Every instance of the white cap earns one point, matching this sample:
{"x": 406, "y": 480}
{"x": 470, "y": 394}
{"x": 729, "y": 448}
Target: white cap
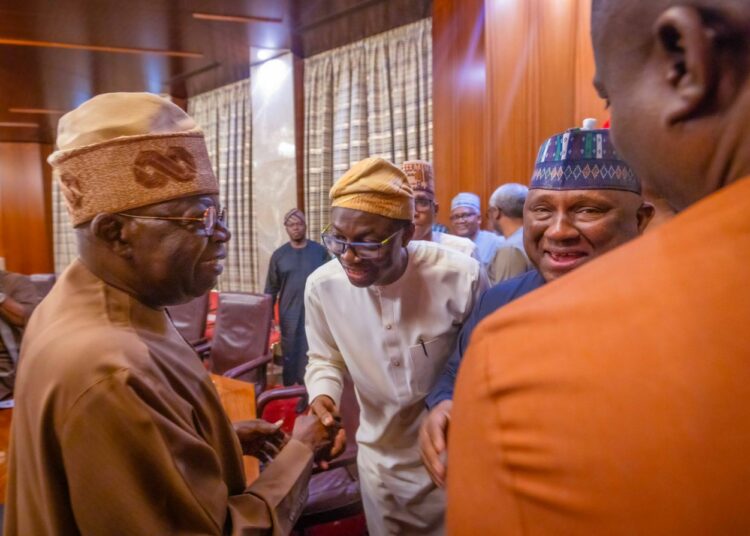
{"x": 589, "y": 123}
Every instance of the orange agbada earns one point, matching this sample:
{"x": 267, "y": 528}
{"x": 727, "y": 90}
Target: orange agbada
{"x": 616, "y": 400}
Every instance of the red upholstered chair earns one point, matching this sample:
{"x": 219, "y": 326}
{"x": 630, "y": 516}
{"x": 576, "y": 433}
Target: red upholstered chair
{"x": 333, "y": 494}
{"x": 239, "y": 348}
{"x": 190, "y": 320}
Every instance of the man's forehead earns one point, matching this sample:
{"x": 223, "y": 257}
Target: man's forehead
{"x": 540, "y": 194}
{"x": 462, "y": 210}
{"x": 184, "y": 203}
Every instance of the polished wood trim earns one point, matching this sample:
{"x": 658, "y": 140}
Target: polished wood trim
{"x": 238, "y": 399}
{"x": 39, "y": 111}
{"x": 190, "y": 74}
{"x": 236, "y": 18}
{"x": 99, "y": 48}
{"x": 18, "y": 124}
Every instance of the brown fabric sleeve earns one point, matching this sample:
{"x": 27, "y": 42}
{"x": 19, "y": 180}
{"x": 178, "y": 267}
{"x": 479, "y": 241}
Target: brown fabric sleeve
{"x": 274, "y": 502}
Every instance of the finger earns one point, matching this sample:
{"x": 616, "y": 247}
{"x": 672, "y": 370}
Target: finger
{"x": 278, "y": 441}
{"x": 436, "y": 432}
{"x": 435, "y": 478}
{"x": 431, "y": 457}
{"x": 339, "y": 443}
{"x": 324, "y": 415}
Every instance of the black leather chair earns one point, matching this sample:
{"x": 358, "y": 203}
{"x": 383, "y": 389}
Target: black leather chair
{"x": 190, "y": 320}
{"x": 239, "y": 348}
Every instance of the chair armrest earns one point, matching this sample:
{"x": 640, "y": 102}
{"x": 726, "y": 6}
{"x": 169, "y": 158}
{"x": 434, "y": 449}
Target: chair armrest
{"x": 247, "y": 367}
{"x": 346, "y": 459}
{"x": 282, "y": 393}
{"x": 202, "y": 347}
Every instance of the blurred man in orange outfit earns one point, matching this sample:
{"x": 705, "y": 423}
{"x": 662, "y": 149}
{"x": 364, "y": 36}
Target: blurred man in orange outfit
{"x": 615, "y": 400}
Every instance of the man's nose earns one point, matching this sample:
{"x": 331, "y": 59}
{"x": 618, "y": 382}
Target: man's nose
{"x": 561, "y": 229}
{"x": 221, "y": 232}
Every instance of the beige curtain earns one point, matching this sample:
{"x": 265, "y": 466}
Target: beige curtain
{"x": 225, "y": 116}
{"x": 63, "y": 235}
{"x": 371, "y": 98}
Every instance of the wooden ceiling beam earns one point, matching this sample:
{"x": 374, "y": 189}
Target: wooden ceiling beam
{"x": 39, "y": 111}
{"x": 98, "y": 48}
{"x": 244, "y": 19}
{"x": 16, "y": 124}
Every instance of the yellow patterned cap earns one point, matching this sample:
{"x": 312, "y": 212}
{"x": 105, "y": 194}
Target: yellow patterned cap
{"x": 376, "y": 186}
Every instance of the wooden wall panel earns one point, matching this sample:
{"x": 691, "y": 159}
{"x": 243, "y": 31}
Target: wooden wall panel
{"x": 539, "y": 72}
{"x": 494, "y": 103}
{"x": 25, "y": 216}
{"x": 588, "y": 103}
{"x": 458, "y": 97}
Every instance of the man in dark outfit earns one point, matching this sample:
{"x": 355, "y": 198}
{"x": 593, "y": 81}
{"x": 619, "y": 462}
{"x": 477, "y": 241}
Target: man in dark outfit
{"x": 18, "y": 297}
{"x": 287, "y": 273}
{"x": 570, "y": 218}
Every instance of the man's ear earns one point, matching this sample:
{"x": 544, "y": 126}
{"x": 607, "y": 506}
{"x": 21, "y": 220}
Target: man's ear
{"x": 408, "y": 234}
{"x": 644, "y": 215}
{"x": 436, "y": 205}
{"x": 689, "y": 53}
{"x": 111, "y": 229}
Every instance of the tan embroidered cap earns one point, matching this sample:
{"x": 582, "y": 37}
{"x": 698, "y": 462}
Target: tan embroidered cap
{"x": 119, "y": 151}
{"x": 376, "y": 186}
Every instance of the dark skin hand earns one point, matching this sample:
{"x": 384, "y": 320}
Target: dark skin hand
{"x": 433, "y": 436}
{"x": 309, "y": 430}
{"x": 13, "y": 312}
{"x": 324, "y": 408}
{"x": 260, "y": 438}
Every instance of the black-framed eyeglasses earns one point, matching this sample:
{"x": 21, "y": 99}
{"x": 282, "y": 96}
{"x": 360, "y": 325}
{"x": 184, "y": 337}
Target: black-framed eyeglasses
{"x": 363, "y": 250}
{"x": 463, "y": 216}
{"x": 211, "y": 216}
{"x": 423, "y": 204}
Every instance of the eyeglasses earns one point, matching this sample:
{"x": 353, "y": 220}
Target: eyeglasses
{"x": 423, "y": 204}
{"x": 463, "y": 216}
{"x": 363, "y": 250}
{"x": 209, "y": 220}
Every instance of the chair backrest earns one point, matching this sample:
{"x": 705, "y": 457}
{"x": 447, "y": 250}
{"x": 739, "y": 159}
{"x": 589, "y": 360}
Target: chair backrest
{"x": 43, "y": 283}
{"x": 243, "y": 326}
{"x": 190, "y": 318}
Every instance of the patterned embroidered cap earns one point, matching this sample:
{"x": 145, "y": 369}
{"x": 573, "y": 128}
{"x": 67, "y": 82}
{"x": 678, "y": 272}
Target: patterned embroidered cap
{"x": 119, "y": 151}
{"x": 582, "y": 159}
{"x": 419, "y": 174}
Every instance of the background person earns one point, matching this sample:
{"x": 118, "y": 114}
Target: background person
{"x": 288, "y": 269}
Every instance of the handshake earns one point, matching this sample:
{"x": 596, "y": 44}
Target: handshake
{"x": 320, "y": 431}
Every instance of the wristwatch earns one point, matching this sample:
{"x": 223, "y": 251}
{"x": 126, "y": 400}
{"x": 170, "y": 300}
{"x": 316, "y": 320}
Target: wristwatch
{"x": 2, "y": 297}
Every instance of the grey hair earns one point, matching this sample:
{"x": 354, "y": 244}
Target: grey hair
{"x": 510, "y": 198}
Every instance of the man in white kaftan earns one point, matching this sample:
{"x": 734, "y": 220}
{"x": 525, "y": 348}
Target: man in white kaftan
{"x": 387, "y": 311}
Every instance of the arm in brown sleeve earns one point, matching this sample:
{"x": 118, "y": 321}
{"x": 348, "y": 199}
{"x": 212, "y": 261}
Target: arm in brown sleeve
{"x": 274, "y": 502}
{"x": 132, "y": 462}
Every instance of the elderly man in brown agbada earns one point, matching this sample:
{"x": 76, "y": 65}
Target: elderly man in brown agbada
{"x": 118, "y": 428}
{"x": 615, "y": 400}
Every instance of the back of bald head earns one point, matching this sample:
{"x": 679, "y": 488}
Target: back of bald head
{"x": 634, "y": 19}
